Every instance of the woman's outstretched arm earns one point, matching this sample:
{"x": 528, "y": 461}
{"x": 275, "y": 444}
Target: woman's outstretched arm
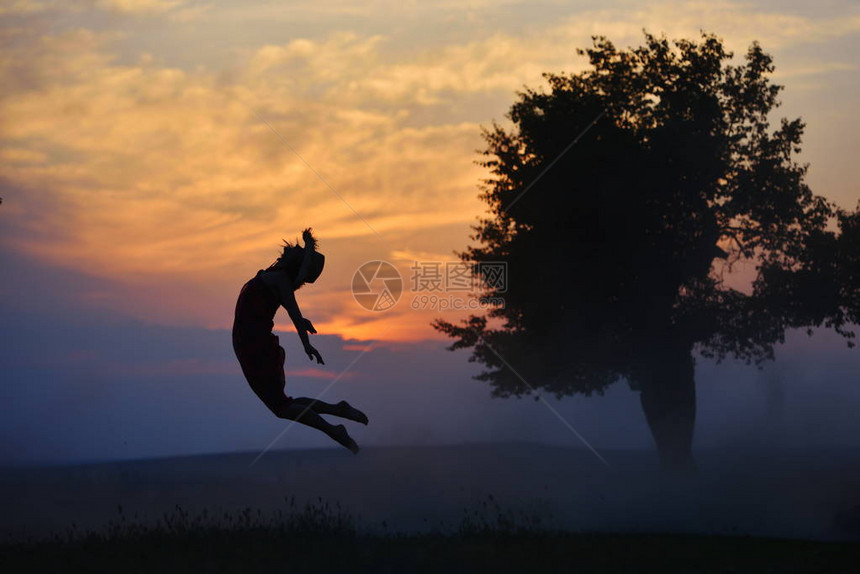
{"x": 303, "y": 326}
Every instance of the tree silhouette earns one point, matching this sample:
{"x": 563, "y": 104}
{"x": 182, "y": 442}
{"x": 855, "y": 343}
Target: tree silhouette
{"x": 618, "y": 249}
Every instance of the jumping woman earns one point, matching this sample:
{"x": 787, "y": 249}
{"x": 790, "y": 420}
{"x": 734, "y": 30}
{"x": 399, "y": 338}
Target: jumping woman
{"x": 258, "y": 349}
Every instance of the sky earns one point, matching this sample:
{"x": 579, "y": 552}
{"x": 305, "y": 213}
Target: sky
{"x": 155, "y": 153}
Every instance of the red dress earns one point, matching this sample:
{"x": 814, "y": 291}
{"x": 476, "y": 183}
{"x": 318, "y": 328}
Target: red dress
{"x": 256, "y": 347}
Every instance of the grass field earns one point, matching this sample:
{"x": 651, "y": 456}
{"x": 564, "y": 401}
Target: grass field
{"x": 322, "y": 538}
{"x": 469, "y": 508}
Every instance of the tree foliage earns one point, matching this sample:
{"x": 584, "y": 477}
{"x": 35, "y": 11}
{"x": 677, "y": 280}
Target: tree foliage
{"x": 620, "y": 249}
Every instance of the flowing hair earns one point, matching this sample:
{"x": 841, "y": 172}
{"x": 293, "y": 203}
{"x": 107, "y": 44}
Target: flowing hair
{"x": 292, "y": 254}
{"x": 289, "y": 260}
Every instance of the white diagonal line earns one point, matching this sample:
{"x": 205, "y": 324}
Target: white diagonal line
{"x": 316, "y": 173}
{"x": 553, "y": 162}
{"x": 549, "y": 406}
{"x": 333, "y": 381}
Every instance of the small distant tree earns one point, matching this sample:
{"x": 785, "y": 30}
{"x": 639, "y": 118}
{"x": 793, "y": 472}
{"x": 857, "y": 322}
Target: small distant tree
{"x": 617, "y": 253}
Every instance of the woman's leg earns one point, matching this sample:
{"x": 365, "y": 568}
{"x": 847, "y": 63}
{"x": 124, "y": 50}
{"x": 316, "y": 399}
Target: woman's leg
{"x": 303, "y": 414}
{"x": 342, "y": 409}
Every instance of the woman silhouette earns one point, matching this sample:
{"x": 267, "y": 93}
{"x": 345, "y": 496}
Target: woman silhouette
{"x": 258, "y": 349}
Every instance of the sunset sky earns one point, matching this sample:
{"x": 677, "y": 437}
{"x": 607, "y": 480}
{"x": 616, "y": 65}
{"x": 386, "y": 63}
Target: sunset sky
{"x": 148, "y": 167}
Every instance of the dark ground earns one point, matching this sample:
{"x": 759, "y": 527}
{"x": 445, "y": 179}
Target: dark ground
{"x": 502, "y": 507}
{"x": 260, "y": 550}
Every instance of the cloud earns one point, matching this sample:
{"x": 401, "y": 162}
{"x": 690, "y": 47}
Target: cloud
{"x": 504, "y": 62}
{"x": 128, "y": 7}
{"x": 139, "y": 6}
{"x": 177, "y": 183}
{"x": 22, "y": 7}
{"x": 162, "y": 178}
{"x": 738, "y": 23}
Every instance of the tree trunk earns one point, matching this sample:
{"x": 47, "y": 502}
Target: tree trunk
{"x": 669, "y": 401}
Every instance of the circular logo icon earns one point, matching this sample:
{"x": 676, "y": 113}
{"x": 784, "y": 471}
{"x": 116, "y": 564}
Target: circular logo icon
{"x": 377, "y": 285}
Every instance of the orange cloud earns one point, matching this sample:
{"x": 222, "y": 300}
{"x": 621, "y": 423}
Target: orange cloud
{"x": 168, "y": 182}
{"x": 171, "y": 184}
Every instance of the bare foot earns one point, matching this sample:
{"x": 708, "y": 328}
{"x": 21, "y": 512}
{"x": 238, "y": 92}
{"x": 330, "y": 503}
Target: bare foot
{"x": 351, "y": 413}
{"x": 341, "y": 436}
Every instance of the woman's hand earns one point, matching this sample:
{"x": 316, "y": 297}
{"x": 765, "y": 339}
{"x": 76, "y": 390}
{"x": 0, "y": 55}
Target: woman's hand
{"x": 308, "y": 237}
{"x": 309, "y": 327}
{"x": 313, "y": 353}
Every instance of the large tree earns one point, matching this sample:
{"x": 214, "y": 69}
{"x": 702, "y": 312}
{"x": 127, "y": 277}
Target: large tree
{"x": 619, "y": 248}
